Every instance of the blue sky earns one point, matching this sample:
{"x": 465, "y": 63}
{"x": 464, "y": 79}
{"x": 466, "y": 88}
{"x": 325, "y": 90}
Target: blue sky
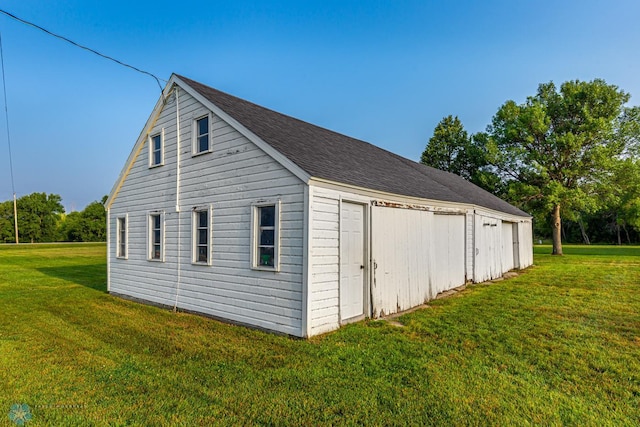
{"x": 383, "y": 71}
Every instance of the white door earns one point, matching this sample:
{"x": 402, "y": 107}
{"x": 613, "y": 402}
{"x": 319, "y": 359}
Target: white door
{"x": 507, "y": 246}
{"x": 351, "y": 261}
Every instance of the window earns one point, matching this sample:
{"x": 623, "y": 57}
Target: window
{"x": 201, "y": 132}
{"x": 156, "y": 236}
{"x": 266, "y": 225}
{"x": 201, "y": 236}
{"x": 121, "y": 238}
{"x": 156, "y": 150}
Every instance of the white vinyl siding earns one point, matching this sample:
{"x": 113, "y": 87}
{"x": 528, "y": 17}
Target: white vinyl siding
{"x": 324, "y": 270}
{"x": 234, "y": 176}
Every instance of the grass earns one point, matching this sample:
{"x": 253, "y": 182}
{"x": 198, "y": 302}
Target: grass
{"x": 559, "y": 344}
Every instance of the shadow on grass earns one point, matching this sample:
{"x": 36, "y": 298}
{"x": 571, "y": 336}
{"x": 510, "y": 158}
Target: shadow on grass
{"x": 92, "y": 276}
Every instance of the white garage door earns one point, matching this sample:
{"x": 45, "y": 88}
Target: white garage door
{"x": 449, "y": 239}
{"x": 507, "y": 247}
{"x": 416, "y": 255}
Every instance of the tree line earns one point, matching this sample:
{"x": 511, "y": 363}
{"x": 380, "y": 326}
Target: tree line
{"x": 42, "y": 218}
{"x": 568, "y": 155}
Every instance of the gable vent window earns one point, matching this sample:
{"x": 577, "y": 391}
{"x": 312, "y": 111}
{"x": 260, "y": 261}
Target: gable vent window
{"x": 265, "y": 237}
{"x": 202, "y": 140}
{"x": 156, "y": 150}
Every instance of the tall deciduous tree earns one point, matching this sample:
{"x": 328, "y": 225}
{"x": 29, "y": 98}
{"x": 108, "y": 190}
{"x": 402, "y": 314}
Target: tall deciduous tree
{"x": 7, "y": 231}
{"x": 560, "y": 144}
{"x": 38, "y": 216}
{"x": 452, "y": 149}
{"x": 446, "y": 147}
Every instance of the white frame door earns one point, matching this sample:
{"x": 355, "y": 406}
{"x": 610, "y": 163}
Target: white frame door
{"x": 352, "y": 261}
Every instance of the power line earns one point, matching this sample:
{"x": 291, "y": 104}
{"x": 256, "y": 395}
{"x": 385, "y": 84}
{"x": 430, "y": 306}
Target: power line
{"x": 6, "y": 115}
{"x": 31, "y": 24}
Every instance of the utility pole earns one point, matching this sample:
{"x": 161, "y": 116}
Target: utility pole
{"x": 15, "y": 217}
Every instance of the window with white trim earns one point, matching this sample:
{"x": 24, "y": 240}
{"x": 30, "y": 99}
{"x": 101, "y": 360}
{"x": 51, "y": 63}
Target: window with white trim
{"x": 201, "y": 135}
{"x": 156, "y": 236}
{"x": 156, "y": 149}
{"x": 201, "y": 235}
{"x": 121, "y": 237}
{"x": 266, "y": 236}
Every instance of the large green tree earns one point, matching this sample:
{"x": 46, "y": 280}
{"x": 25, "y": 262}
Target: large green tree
{"x": 556, "y": 148}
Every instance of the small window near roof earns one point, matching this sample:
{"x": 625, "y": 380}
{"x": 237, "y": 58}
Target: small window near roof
{"x": 202, "y": 143}
{"x": 156, "y": 150}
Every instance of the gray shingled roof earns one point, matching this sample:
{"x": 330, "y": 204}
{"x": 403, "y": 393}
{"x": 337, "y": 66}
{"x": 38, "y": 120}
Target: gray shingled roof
{"x": 329, "y": 155}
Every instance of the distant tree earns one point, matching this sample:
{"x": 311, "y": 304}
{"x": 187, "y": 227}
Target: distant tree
{"x": 451, "y": 149}
{"x": 446, "y": 147}
{"x": 560, "y": 145}
{"x": 41, "y": 218}
{"x": 621, "y": 198}
{"x": 94, "y": 218}
{"x": 71, "y": 227}
{"x": 7, "y": 231}
{"x": 89, "y": 225}
{"x": 38, "y": 217}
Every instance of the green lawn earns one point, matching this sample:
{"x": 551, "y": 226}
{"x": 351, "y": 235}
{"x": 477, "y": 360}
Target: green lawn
{"x": 560, "y": 344}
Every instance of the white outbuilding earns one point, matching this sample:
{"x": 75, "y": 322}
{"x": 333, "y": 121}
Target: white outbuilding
{"x": 235, "y": 211}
